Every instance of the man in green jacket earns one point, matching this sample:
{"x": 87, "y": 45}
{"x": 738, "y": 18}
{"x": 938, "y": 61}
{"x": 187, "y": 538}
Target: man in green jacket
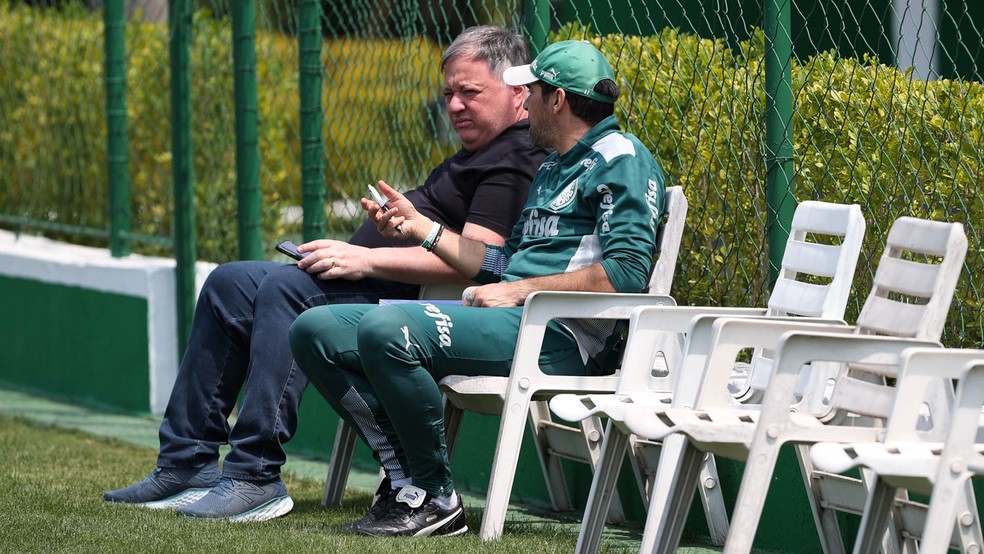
{"x": 589, "y": 225}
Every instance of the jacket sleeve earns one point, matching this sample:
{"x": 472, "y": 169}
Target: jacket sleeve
{"x": 629, "y": 202}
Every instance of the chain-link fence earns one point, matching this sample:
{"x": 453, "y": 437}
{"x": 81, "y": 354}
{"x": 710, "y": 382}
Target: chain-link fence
{"x": 885, "y": 109}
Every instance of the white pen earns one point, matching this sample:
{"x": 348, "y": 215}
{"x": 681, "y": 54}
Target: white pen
{"x": 382, "y": 203}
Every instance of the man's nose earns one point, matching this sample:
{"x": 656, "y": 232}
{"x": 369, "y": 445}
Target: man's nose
{"x": 455, "y": 104}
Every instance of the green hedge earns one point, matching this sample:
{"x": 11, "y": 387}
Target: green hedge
{"x": 53, "y": 131}
{"x": 863, "y": 133}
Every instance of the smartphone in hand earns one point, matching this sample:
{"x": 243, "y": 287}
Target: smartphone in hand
{"x": 290, "y": 249}
{"x": 381, "y": 200}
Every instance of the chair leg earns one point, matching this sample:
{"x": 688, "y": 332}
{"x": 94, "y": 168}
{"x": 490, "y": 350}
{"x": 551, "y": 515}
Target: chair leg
{"x": 968, "y": 521}
{"x": 893, "y": 540}
{"x": 452, "y": 425}
{"x": 340, "y": 464}
{"x": 672, "y": 494}
{"x": 644, "y": 457}
{"x": 876, "y": 517}
{"x": 553, "y": 470}
{"x": 825, "y": 519}
{"x": 949, "y": 505}
{"x": 592, "y": 428}
{"x": 644, "y": 460}
{"x": 603, "y": 489}
{"x": 712, "y": 498}
{"x": 504, "y": 467}
{"x": 754, "y": 487}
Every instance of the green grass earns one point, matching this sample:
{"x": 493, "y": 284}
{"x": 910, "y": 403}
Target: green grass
{"x": 52, "y": 481}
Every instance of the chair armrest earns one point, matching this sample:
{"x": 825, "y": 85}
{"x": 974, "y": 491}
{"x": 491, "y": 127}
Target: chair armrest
{"x": 648, "y": 327}
{"x": 926, "y": 375}
{"x": 797, "y": 349}
{"x": 945, "y": 363}
{"x": 545, "y": 306}
{"x": 648, "y": 324}
{"x": 964, "y": 434}
{"x": 714, "y": 346}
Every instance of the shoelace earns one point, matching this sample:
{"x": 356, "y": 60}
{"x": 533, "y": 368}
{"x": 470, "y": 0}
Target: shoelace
{"x": 241, "y": 489}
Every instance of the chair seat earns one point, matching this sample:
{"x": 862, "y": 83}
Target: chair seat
{"x": 577, "y": 407}
{"x": 485, "y": 395}
{"x": 910, "y": 465}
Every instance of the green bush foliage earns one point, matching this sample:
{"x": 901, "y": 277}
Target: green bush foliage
{"x": 51, "y": 112}
{"x": 862, "y": 133}
{"x": 53, "y": 130}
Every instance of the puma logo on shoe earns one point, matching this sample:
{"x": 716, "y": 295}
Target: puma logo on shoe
{"x": 411, "y": 496}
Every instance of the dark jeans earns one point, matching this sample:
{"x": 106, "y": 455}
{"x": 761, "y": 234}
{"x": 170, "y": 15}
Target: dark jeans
{"x": 239, "y": 343}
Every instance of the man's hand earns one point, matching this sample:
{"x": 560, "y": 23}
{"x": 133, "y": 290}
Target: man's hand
{"x": 334, "y": 259}
{"x": 399, "y": 213}
{"x": 497, "y": 295}
{"x": 514, "y": 293}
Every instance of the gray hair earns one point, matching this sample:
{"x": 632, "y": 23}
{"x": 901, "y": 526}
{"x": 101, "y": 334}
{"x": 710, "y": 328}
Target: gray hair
{"x": 499, "y": 48}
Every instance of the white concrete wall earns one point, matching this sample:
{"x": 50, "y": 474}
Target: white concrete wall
{"x": 44, "y": 260}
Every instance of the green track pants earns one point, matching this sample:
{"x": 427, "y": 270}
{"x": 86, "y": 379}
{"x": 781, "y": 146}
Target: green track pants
{"x": 378, "y": 367}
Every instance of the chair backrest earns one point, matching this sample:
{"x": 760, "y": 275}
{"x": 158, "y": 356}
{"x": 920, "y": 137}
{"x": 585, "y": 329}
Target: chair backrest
{"x": 669, "y": 233}
{"x": 910, "y": 297}
{"x": 917, "y": 274}
{"x": 814, "y": 279}
{"x": 819, "y": 261}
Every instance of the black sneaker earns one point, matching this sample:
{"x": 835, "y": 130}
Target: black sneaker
{"x": 415, "y": 514}
{"x": 382, "y": 502}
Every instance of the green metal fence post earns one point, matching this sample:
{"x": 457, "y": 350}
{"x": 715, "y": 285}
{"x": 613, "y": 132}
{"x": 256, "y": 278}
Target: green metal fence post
{"x": 247, "y": 144}
{"x": 536, "y": 20}
{"x": 778, "y": 131}
{"x": 312, "y": 117}
{"x": 179, "y": 19}
{"x": 117, "y": 147}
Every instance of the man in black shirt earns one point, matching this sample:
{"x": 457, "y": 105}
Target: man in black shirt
{"x": 239, "y": 338}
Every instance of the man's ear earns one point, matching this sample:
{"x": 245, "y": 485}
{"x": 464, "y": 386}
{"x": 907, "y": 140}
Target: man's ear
{"x": 559, "y": 97}
{"x": 520, "y": 93}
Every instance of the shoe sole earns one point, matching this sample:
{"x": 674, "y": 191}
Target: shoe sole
{"x": 278, "y": 507}
{"x": 436, "y": 530}
{"x": 454, "y": 533}
{"x": 183, "y": 498}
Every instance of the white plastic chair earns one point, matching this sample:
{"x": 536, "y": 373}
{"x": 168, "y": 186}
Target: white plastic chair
{"x": 932, "y": 446}
{"x": 815, "y": 280}
{"x": 524, "y": 393}
{"x": 908, "y": 303}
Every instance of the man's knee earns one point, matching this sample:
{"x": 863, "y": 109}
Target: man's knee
{"x": 382, "y": 326}
{"x": 224, "y": 275}
{"x": 287, "y": 282}
{"x": 230, "y": 283}
{"x": 307, "y": 332}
